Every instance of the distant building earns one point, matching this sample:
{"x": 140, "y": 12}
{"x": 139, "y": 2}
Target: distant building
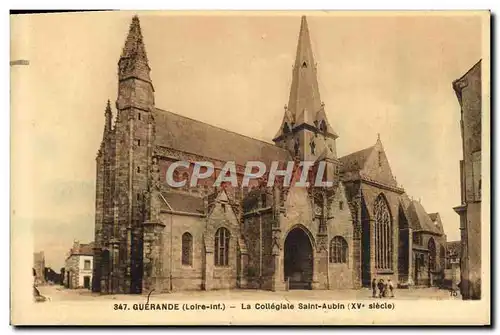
{"x": 424, "y": 243}
{"x": 468, "y": 90}
{"x": 453, "y": 253}
{"x": 452, "y": 271}
{"x": 39, "y": 268}
{"x": 78, "y": 266}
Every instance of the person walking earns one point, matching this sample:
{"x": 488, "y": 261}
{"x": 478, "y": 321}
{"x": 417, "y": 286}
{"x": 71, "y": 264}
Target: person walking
{"x": 391, "y": 287}
{"x": 374, "y": 288}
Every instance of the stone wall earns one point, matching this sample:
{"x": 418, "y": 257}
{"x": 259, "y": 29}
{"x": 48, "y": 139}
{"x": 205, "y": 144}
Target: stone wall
{"x": 341, "y": 275}
{"x": 469, "y": 94}
{"x": 176, "y": 276}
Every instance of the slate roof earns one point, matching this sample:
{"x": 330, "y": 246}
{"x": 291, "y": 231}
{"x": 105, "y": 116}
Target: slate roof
{"x": 84, "y": 249}
{"x": 405, "y": 201}
{"x": 87, "y": 249}
{"x": 196, "y": 137}
{"x": 420, "y": 220}
{"x": 356, "y": 160}
{"x": 184, "y": 202}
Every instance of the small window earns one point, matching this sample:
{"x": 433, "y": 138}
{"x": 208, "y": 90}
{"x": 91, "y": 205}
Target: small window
{"x": 139, "y": 116}
{"x": 138, "y": 169}
{"x": 138, "y": 142}
{"x": 341, "y": 205}
{"x": 322, "y": 126}
{"x": 380, "y": 158}
{"x": 264, "y": 200}
{"x": 138, "y": 196}
{"x": 187, "y": 249}
{"x": 86, "y": 265}
{"x": 223, "y": 207}
{"x": 286, "y": 128}
{"x": 304, "y": 64}
{"x": 338, "y": 250}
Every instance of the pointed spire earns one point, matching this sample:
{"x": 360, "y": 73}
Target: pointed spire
{"x": 108, "y": 115}
{"x": 304, "y": 100}
{"x": 134, "y": 61}
{"x": 305, "y": 105}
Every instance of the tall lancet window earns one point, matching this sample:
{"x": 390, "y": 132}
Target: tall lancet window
{"x": 222, "y": 247}
{"x": 383, "y": 235}
{"x": 187, "y": 249}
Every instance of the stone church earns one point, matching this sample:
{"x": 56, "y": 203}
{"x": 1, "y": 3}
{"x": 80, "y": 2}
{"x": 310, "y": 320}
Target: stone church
{"x": 150, "y": 236}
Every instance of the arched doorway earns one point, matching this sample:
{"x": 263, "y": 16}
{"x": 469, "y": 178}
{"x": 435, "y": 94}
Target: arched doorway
{"x": 298, "y": 260}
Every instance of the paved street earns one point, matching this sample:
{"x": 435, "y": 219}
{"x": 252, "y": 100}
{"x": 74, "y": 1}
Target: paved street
{"x": 59, "y": 293}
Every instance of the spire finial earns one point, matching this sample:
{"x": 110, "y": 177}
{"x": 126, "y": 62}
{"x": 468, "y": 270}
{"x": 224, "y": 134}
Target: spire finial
{"x": 108, "y": 115}
{"x": 378, "y": 136}
{"x": 108, "y": 107}
{"x": 134, "y": 61}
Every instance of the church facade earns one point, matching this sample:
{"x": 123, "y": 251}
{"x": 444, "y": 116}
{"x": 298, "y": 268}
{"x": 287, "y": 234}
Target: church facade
{"x": 149, "y": 235}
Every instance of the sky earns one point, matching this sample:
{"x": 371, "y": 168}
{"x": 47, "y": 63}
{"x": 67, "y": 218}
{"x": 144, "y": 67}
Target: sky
{"x": 385, "y": 74}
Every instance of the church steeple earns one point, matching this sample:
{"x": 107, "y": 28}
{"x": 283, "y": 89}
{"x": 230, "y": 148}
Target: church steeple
{"x": 304, "y": 101}
{"x": 135, "y": 88}
{"x": 134, "y": 61}
{"x": 305, "y": 118}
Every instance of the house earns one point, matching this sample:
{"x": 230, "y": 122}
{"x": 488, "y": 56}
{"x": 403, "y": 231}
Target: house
{"x": 78, "y": 266}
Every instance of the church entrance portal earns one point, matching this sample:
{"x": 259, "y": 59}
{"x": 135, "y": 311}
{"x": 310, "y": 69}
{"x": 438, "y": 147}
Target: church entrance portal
{"x": 298, "y": 260}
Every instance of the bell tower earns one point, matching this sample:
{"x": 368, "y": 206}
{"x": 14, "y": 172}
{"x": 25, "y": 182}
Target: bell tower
{"x": 305, "y": 130}
{"x": 135, "y": 129}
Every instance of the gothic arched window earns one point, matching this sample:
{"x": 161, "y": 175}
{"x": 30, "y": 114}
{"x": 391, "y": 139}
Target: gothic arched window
{"x": 431, "y": 246}
{"x": 187, "y": 249}
{"x": 383, "y": 234}
{"x": 338, "y": 250}
{"x": 221, "y": 251}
